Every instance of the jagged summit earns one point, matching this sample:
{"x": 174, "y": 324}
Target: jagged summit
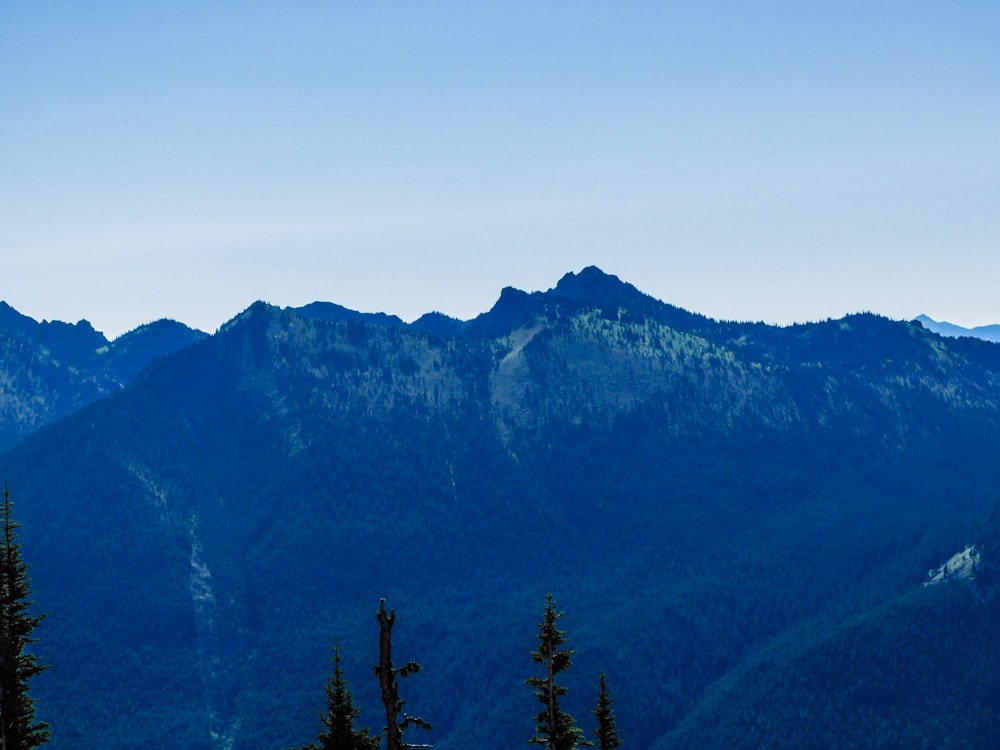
{"x": 513, "y": 309}
{"x": 594, "y": 286}
{"x": 69, "y": 341}
{"x": 591, "y": 288}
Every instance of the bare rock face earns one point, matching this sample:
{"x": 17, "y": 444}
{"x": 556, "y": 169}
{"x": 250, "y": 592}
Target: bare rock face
{"x": 960, "y": 567}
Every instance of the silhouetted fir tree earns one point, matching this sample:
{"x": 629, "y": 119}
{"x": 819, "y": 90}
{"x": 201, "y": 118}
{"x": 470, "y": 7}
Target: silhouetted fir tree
{"x": 387, "y": 675}
{"x": 18, "y": 728}
{"x": 555, "y": 729}
{"x": 341, "y": 713}
{"x": 607, "y": 729}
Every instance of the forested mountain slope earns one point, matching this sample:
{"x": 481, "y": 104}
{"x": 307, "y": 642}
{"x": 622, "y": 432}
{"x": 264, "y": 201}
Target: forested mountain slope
{"x": 921, "y": 670}
{"x": 695, "y": 493}
{"x": 50, "y": 369}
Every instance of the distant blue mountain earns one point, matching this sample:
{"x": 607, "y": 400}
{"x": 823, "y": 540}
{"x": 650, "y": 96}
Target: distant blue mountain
{"x": 943, "y": 328}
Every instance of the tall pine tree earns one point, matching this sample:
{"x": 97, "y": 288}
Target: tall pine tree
{"x": 554, "y": 728}
{"x": 341, "y": 713}
{"x": 607, "y": 729}
{"x": 18, "y": 728}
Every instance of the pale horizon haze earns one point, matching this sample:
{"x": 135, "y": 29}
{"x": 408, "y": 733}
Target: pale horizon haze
{"x": 774, "y": 161}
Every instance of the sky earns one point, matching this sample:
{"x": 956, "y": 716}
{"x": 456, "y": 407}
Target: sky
{"x": 775, "y": 161}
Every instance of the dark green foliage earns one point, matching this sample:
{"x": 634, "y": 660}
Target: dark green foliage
{"x": 18, "y": 728}
{"x": 387, "y": 678}
{"x": 607, "y": 728}
{"x": 555, "y": 729}
{"x": 338, "y": 720}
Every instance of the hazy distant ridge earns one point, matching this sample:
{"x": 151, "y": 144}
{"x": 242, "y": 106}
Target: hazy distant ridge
{"x": 943, "y": 328}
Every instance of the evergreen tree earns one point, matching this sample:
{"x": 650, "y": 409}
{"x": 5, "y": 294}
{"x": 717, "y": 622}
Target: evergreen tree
{"x": 18, "y": 728}
{"x": 387, "y": 675}
{"x": 341, "y": 713}
{"x": 555, "y": 729}
{"x": 607, "y": 729}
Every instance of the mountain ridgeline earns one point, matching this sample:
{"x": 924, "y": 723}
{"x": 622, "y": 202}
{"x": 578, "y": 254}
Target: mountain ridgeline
{"x": 738, "y": 520}
{"x": 51, "y": 369}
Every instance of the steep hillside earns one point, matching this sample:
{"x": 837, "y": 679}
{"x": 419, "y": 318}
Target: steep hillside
{"x": 693, "y": 492}
{"x": 50, "y": 369}
{"x": 921, "y": 670}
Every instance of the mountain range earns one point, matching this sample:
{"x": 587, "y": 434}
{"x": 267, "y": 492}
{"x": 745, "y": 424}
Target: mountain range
{"x": 738, "y": 519}
{"x": 51, "y": 369}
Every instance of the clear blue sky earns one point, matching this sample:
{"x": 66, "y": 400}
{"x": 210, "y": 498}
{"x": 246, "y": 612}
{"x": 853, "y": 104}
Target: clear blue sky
{"x": 777, "y": 161}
